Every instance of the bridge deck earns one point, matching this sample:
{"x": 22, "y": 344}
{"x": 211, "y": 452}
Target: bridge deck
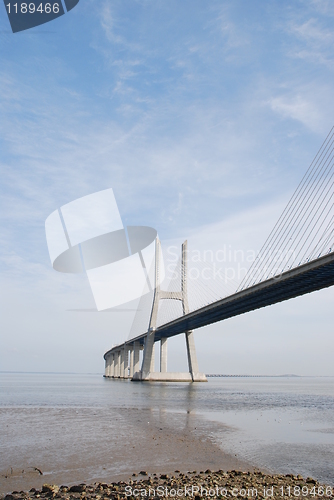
{"x": 306, "y": 278}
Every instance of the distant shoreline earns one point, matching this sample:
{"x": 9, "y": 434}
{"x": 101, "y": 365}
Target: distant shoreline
{"x": 211, "y": 375}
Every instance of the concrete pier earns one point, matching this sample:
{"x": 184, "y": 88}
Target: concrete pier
{"x": 131, "y": 361}
{"x": 136, "y": 356}
{"x": 118, "y": 363}
{"x": 117, "y": 359}
{"x": 163, "y": 355}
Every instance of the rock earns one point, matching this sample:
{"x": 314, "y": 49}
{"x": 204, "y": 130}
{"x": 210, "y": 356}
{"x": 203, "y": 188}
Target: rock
{"x": 50, "y": 488}
{"x": 77, "y": 488}
{"x": 116, "y": 490}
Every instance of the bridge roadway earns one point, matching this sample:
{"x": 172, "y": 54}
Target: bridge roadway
{"x": 306, "y": 278}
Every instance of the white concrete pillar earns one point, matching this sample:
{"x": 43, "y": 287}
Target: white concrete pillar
{"x": 117, "y": 367}
{"x": 112, "y": 365}
{"x": 152, "y": 365}
{"x": 106, "y": 368}
{"x": 121, "y": 370}
{"x": 126, "y": 361}
{"x": 136, "y": 349}
{"x": 115, "y": 363}
{"x": 131, "y": 360}
{"x": 191, "y": 352}
{"x": 163, "y": 355}
{"x": 148, "y": 358}
{"x": 119, "y": 364}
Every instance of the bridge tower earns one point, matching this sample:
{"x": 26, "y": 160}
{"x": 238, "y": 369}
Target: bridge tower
{"x": 147, "y": 371}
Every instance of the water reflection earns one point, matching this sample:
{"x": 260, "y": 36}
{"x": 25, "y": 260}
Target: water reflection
{"x": 285, "y": 424}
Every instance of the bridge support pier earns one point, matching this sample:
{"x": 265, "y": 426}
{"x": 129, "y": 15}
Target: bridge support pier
{"x": 147, "y": 371}
{"x": 148, "y": 357}
{"x": 126, "y": 361}
{"x": 106, "y": 369}
{"x": 136, "y": 351}
{"x": 118, "y": 363}
{"x": 152, "y": 365}
{"x": 131, "y": 361}
{"x": 163, "y": 356}
{"x": 118, "y": 360}
{"x": 124, "y": 370}
{"x": 192, "y": 358}
{"x": 121, "y": 368}
{"x": 111, "y": 366}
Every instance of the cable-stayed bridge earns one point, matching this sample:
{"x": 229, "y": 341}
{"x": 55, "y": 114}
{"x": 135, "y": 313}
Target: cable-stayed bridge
{"x": 297, "y": 258}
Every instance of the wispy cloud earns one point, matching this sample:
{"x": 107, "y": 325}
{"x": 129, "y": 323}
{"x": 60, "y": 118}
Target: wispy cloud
{"x": 314, "y": 42}
{"x": 300, "y": 107}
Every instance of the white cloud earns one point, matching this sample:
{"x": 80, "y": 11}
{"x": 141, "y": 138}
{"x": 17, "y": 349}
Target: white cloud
{"x": 305, "y": 104}
{"x": 297, "y": 108}
{"x": 313, "y": 43}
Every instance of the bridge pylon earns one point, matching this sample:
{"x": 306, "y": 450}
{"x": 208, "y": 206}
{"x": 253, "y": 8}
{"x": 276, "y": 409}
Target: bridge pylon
{"x": 117, "y": 358}
{"x": 147, "y": 372}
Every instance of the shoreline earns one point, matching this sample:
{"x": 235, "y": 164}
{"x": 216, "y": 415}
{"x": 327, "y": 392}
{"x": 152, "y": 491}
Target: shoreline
{"x": 166, "y": 443}
{"x": 192, "y": 484}
{"x": 115, "y": 430}
{"x": 161, "y": 442}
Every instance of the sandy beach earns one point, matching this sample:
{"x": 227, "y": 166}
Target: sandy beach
{"x": 63, "y": 430}
{"x": 164, "y": 459}
{"x": 159, "y": 442}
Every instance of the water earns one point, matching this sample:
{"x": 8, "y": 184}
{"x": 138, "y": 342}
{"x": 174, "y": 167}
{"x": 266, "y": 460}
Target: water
{"x": 284, "y": 424}
{"x": 85, "y": 426}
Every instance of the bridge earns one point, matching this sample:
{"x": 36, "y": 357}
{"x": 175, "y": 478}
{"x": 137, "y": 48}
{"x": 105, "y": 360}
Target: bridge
{"x": 303, "y": 237}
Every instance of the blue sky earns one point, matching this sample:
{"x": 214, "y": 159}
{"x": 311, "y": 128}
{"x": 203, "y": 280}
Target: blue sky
{"x": 202, "y": 116}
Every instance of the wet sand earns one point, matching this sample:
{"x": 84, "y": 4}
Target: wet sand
{"x": 71, "y": 446}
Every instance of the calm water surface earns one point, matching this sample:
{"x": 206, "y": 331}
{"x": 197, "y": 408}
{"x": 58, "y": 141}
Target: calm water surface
{"x": 285, "y": 424}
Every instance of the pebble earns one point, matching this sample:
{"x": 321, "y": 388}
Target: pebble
{"x": 282, "y": 485}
